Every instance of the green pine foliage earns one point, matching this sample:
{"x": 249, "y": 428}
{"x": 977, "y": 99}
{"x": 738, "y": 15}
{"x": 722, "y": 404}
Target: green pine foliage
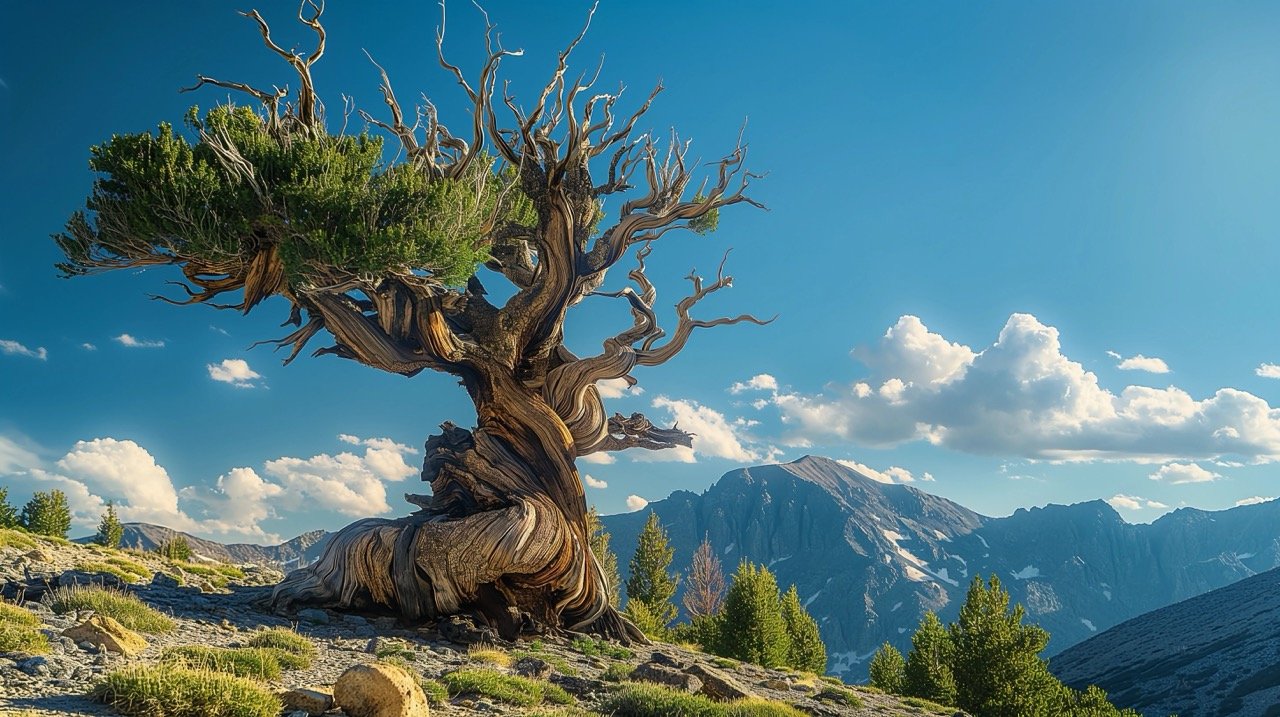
{"x": 928, "y": 669}
{"x": 110, "y": 530}
{"x": 751, "y": 627}
{"x": 888, "y": 670}
{"x": 175, "y": 548}
{"x": 650, "y": 583}
{"x": 997, "y": 667}
{"x": 8, "y": 514}
{"x": 47, "y": 513}
{"x": 327, "y": 202}
{"x": 807, "y": 651}
{"x": 607, "y": 559}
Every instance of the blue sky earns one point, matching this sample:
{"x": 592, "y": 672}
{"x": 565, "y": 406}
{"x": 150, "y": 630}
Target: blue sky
{"x": 986, "y": 224}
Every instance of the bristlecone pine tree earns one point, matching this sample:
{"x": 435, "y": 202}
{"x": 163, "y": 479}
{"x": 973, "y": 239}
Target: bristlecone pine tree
{"x": 887, "y": 670}
{"x": 267, "y": 201}
{"x": 649, "y": 582}
{"x": 110, "y": 529}
{"x": 751, "y": 627}
{"x": 928, "y": 670}
{"x": 806, "y": 651}
{"x": 47, "y": 514}
{"x": 607, "y": 559}
{"x": 8, "y": 513}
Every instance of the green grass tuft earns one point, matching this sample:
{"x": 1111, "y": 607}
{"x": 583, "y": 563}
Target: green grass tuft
{"x": 107, "y": 568}
{"x": 19, "y": 631}
{"x": 840, "y": 695}
{"x": 258, "y": 662}
{"x": 166, "y": 691}
{"x": 725, "y": 663}
{"x": 437, "y": 693}
{"x": 511, "y": 689}
{"x": 10, "y": 538}
{"x": 617, "y": 672}
{"x": 642, "y": 699}
{"x": 122, "y": 606}
{"x": 596, "y": 648}
{"x": 489, "y": 655}
{"x": 286, "y": 641}
{"x": 558, "y": 663}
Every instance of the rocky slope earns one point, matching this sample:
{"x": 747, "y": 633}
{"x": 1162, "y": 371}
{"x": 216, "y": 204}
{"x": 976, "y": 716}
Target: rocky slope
{"x": 869, "y": 558}
{"x": 1214, "y": 655}
{"x": 57, "y": 683}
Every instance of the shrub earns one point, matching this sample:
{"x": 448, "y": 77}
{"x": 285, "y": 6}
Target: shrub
{"x": 176, "y": 548}
{"x": 511, "y": 689}
{"x": 121, "y": 606}
{"x": 751, "y": 626}
{"x": 165, "y": 691}
{"x": 47, "y": 513}
{"x": 259, "y": 662}
{"x": 617, "y": 672}
{"x": 887, "y": 669}
{"x": 437, "y": 694}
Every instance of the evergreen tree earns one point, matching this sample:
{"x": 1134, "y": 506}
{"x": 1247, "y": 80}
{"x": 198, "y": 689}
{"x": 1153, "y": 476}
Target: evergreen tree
{"x": 110, "y": 530}
{"x": 997, "y": 667}
{"x": 47, "y": 514}
{"x": 807, "y": 651}
{"x": 649, "y": 622}
{"x": 751, "y": 627}
{"x": 607, "y": 559}
{"x": 887, "y": 670}
{"x": 704, "y": 585}
{"x": 8, "y": 513}
{"x": 649, "y": 581}
{"x": 175, "y": 548}
{"x": 928, "y": 670}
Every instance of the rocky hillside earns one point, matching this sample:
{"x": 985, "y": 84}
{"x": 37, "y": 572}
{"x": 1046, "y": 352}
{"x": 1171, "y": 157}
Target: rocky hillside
{"x": 297, "y": 552}
{"x": 458, "y": 665}
{"x": 869, "y": 558}
{"x": 1214, "y": 655}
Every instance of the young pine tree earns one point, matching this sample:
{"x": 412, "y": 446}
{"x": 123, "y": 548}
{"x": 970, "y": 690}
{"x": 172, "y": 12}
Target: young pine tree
{"x": 649, "y": 582}
{"x": 997, "y": 667}
{"x": 175, "y": 548}
{"x": 751, "y": 627}
{"x": 704, "y": 593}
{"x": 607, "y": 559}
{"x": 887, "y": 670}
{"x": 8, "y": 513}
{"x": 47, "y": 514}
{"x": 807, "y": 651}
{"x": 110, "y": 530}
{"x": 928, "y": 670}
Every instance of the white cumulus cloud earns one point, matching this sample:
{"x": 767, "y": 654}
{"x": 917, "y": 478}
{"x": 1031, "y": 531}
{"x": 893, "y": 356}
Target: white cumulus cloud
{"x": 1254, "y": 500}
{"x": 88, "y": 346}
{"x": 892, "y": 474}
{"x": 136, "y": 343}
{"x": 713, "y": 435}
{"x": 1184, "y": 473}
{"x": 759, "y": 382}
{"x": 1133, "y": 502}
{"x": 635, "y": 502}
{"x": 1150, "y": 364}
{"x": 601, "y": 458}
{"x": 1021, "y": 396}
{"x": 617, "y": 388}
{"x": 1268, "y": 370}
{"x": 235, "y": 372}
{"x": 594, "y": 482}
{"x": 13, "y": 348}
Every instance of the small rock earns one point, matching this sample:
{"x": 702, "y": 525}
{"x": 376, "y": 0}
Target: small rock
{"x": 308, "y": 700}
{"x": 37, "y": 556}
{"x": 662, "y": 658}
{"x": 534, "y": 668}
{"x": 669, "y": 676}
{"x": 165, "y": 580}
{"x": 460, "y": 630}
{"x": 379, "y": 690}
{"x": 38, "y": 608}
{"x": 108, "y": 634}
{"x": 228, "y": 625}
{"x": 717, "y": 685}
{"x": 311, "y": 614}
{"x": 35, "y": 666}
{"x": 774, "y": 683}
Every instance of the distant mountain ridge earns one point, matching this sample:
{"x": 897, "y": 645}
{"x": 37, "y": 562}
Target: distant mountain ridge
{"x": 290, "y": 554}
{"x": 870, "y": 558}
{"x": 1214, "y": 654}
